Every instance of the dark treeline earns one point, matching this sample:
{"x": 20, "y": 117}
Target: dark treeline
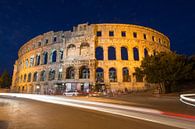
{"x": 5, "y": 80}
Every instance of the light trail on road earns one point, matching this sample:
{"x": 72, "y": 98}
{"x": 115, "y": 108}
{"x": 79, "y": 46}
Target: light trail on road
{"x": 185, "y": 98}
{"x": 146, "y": 114}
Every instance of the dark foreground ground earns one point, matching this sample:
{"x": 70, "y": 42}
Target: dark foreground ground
{"x": 27, "y": 114}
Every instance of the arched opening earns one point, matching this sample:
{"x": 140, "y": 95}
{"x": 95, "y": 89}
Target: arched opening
{"x": 70, "y": 73}
{"x": 23, "y": 89}
{"x": 145, "y": 52}
{"x": 24, "y": 78}
{"x": 71, "y": 50}
{"x": 35, "y": 77}
{"x": 51, "y": 75}
{"x": 26, "y": 63}
{"x": 61, "y": 54}
{"x": 45, "y": 57}
{"x": 135, "y": 53}
{"x": 29, "y": 77}
{"x": 53, "y": 56}
{"x": 84, "y": 72}
{"x": 84, "y": 49}
{"x": 43, "y": 75}
{"x": 32, "y": 61}
{"x": 126, "y": 76}
{"x": 112, "y": 75}
{"x": 99, "y": 53}
{"x": 111, "y": 53}
{"x": 124, "y": 53}
{"x": 99, "y": 75}
{"x": 37, "y": 59}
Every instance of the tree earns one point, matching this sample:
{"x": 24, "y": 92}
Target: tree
{"x": 5, "y": 80}
{"x": 166, "y": 69}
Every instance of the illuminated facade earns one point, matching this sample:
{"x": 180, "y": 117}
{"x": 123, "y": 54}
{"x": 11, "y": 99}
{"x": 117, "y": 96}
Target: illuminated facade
{"x": 89, "y": 56}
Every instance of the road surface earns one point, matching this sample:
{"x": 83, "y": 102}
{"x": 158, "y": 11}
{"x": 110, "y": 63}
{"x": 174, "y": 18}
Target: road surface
{"x": 18, "y": 113}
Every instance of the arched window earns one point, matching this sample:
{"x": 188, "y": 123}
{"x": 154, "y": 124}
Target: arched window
{"x": 112, "y": 75}
{"x": 99, "y": 53}
{"x": 126, "y": 76}
{"x": 45, "y": 57}
{"x": 26, "y": 63}
{"x": 51, "y": 75}
{"x": 145, "y": 52}
{"x": 71, "y": 50}
{"x": 29, "y": 77}
{"x": 35, "y": 77}
{"x": 70, "y": 73}
{"x": 84, "y": 72}
{"x": 61, "y": 54}
{"x": 32, "y": 61}
{"x": 111, "y": 53}
{"x": 23, "y": 89}
{"x": 84, "y": 49}
{"x": 43, "y": 75}
{"x": 124, "y": 53}
{"x": 37, "y": 59}
{"x": 53, "y": 56}
{"x": 99, "y": 75}
{"x": 135, "y": 53}
{"x": 24, "y": 78}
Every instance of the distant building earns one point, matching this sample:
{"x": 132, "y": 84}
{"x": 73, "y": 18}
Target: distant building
{"x": 90, "y": 56}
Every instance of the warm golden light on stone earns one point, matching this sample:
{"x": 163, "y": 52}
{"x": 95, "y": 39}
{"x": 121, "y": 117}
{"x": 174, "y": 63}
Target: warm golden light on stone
{"x": 67, "y": 59}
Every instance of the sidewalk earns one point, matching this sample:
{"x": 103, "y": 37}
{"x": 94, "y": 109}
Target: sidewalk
{"x": 166, "y": 103}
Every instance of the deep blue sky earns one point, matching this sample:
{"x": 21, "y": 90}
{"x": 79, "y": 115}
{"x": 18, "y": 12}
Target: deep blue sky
{"x": 21, "y": 20}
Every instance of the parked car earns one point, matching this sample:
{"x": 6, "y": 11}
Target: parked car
{"x": 71, "y": 93}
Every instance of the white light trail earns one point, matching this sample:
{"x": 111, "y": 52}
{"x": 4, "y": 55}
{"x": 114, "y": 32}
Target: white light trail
{"x": 146, "y": 114}
{"x": 189, "y": 101}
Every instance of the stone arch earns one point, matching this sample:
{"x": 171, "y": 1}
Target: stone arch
{"x": 71, "y": 50}
{"x": 35, "y": 77}
{"x": 136, "y": 54}
{"x": 61, "y": 54}
{"x": 111, "y": 53}
{"x": 99, "y": 74}
{"x": 38, "y": 57}
{"x": 43, "y": 75}
{"x": 126, "y": 75}
{"x": 112, "y": 74}
{"x": 70, "y": 73}
{"x": 24, "y": 78}
{"x": 84, "y": 72}
{"x": 99, "y": 53}
{"x": 124, "y": 53}
{"x": 45, "y": 57}
{"x": 51, "y": 75}
{"x": 21, "y": 78}
{"x": 29, "y": 77}
{"x": 84, "y": 49}
{"x": 53, "y": 56}
{"x": 145, "y": 52}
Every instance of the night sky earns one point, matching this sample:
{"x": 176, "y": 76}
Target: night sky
{"x": 21, "y": 20}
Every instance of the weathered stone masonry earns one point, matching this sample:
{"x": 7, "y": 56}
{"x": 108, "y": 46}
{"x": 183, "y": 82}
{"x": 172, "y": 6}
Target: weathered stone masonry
{"x": 92, "y": 55}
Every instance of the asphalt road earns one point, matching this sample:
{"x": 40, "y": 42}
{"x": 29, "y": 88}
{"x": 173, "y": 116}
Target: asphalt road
{"x": 17, "y": 113}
